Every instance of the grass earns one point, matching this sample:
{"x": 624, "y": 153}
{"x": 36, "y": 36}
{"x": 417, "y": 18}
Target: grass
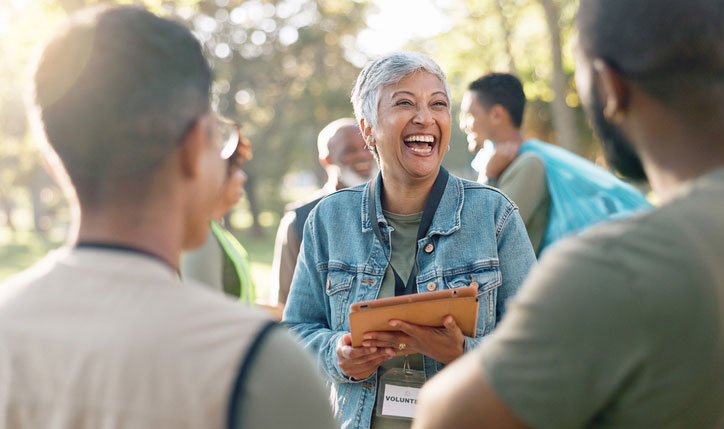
{"x": 21, "y": 250}
{"x": 261, "y": 253}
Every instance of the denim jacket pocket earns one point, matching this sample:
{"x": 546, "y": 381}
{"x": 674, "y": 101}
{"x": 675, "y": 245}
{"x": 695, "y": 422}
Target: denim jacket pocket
{"x": 488, "y": 278}
{"x": 339, "y": 283}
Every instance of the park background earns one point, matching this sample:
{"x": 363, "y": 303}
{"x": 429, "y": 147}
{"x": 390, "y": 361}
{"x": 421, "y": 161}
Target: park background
{"x": 284, "y": 69}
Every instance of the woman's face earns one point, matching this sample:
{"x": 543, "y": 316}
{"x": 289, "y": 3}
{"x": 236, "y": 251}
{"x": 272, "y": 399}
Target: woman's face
{"x": 413, "y": 130}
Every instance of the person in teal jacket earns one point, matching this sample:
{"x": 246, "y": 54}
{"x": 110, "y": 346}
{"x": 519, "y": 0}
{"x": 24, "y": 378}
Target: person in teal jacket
{"x": 222, "y": 263}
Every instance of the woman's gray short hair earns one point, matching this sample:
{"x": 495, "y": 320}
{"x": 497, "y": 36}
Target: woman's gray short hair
{"x": 385, "y": 70}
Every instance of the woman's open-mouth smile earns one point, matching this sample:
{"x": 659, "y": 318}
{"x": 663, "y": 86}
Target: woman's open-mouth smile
{"x": 420, "y": 144}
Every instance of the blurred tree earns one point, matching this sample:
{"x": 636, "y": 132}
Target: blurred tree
{"x": 29, "y": 198}
{"x": 283, "y": 69}
{"x": 563, "y": 118}
{"x": 530, "y": 38}
{"x": 507, "y": 34}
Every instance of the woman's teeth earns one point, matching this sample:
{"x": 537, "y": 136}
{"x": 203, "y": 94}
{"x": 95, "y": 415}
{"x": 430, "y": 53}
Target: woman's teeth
{"x": 420, "y": 144}
{"x": 424, "y": 139}
{"x": 427, "y": 149}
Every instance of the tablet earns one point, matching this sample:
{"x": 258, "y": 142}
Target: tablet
{"x": 427, "y": 309}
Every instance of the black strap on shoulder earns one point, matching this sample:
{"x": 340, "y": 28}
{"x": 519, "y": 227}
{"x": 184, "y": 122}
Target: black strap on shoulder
{"x": 301, "y": 214}
{"x": 244, "y": 369}
{"x": 438, "y": 188}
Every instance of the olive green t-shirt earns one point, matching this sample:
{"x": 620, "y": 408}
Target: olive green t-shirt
{"x": 622, "y": 326}
{"x": 524, "y": 182}
{"x": 404, "y": 244}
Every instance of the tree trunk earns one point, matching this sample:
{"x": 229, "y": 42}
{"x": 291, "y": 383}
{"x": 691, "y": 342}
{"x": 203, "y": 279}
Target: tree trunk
{"x": 250, "y": 190}
{"x": 35, "y": 188}
{"x": 6, "y": 205}
{"x": 506, "y": 36}
{"x": 564, "y": 122}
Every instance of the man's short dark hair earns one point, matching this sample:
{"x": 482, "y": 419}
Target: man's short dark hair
{"x": 117, "y": 89}
{"x": 673, "y": 48}
{"x": 504, "y": 89}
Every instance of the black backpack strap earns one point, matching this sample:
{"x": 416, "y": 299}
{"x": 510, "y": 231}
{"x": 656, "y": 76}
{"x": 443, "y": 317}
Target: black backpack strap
{"x": 244, "y": 368}
{"x": 302, "y": 213}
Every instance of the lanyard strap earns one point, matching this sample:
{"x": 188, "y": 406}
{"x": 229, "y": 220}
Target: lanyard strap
{"x": 433, "y": 201}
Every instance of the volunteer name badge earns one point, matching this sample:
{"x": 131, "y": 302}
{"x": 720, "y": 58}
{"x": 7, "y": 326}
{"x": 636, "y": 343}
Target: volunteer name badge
{"x": 398, "y": 390}
{"x": 399, "y": 401}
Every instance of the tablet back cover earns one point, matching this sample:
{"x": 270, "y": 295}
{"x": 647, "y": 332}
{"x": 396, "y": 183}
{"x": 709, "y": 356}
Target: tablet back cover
{"x": 427, "y": 313}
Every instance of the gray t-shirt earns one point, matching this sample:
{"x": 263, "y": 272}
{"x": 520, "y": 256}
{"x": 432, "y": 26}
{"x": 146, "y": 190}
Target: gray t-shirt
{"x": 623, "y": 326}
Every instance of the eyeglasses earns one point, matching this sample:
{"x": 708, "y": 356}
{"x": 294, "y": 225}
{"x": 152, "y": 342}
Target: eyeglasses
{"x": 228, "y": 137}
{"x": 235, "y": 148}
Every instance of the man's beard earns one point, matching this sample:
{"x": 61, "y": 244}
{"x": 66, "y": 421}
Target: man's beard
{"x": 349, "y": 177}
{"x": 619, "y": 152}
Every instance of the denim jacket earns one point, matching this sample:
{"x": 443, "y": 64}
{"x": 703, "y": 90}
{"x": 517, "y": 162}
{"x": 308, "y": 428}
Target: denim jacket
{"x": 476, "y": 231}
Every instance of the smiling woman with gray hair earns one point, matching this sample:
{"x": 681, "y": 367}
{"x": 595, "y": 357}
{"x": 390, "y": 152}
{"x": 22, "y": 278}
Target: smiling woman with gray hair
{"x": 415, "y": 222}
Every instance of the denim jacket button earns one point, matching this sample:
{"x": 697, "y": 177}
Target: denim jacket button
{"x": 431, "y": 286}
{"x": 429, "y": 248}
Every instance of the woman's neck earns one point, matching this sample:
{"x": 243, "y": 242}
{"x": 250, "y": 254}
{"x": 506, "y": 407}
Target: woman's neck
{"x": 406, "y": 197}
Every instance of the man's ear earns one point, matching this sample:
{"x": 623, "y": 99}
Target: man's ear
{"x": 612, "y": 89}
{"x": 497, "y": 113}
{"x": 191, "y": 149}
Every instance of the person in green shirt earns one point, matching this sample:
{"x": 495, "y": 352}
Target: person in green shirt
{"x": 221, "y": 262}
{"x": 622, "y": 327}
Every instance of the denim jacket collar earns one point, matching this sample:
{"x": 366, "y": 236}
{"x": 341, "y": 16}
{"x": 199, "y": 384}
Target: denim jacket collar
{"x": 442, "y": 223}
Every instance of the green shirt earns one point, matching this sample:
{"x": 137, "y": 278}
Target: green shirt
{"x": 404, "y": 244}
{"x": 524, "y": 182}
{"x": 622, "y": 326}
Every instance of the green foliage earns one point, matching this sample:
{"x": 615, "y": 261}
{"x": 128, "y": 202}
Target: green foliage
{"x": 281, "y": 70}
{"x": 29, "y": 199}
{"x": 511, "y": 36}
